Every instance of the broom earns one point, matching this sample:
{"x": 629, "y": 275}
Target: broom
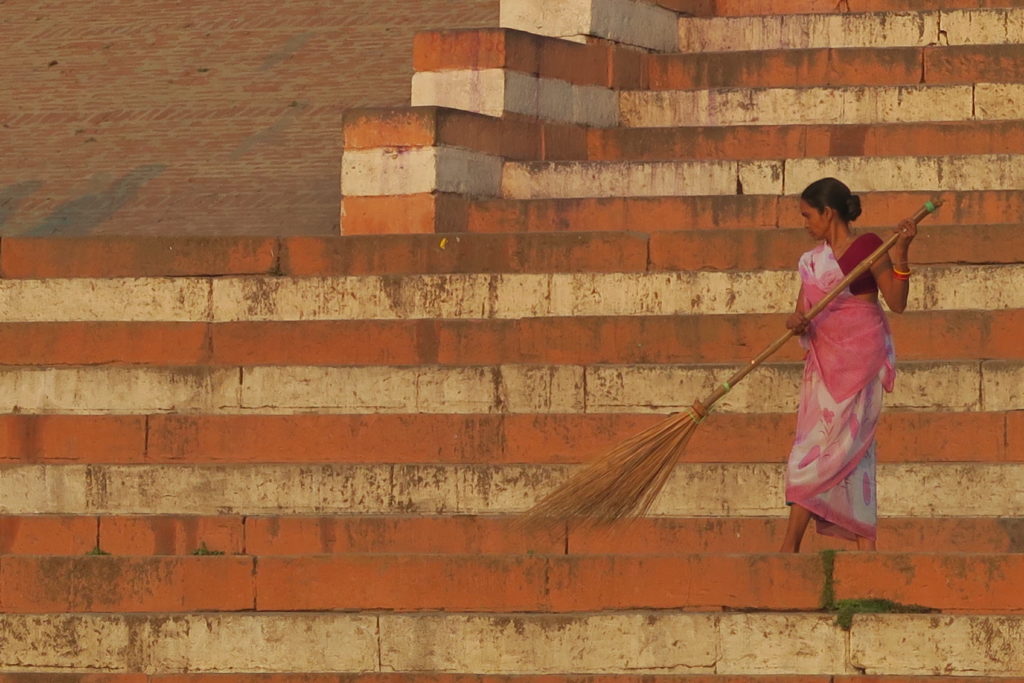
{"x": 626, "y": 480}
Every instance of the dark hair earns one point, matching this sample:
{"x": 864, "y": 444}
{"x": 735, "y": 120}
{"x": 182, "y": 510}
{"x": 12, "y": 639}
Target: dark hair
{"x": 835, "y": 195}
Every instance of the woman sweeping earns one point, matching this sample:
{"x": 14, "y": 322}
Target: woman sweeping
{"x": 830, "y": 475}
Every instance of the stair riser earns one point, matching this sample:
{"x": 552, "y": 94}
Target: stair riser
{"x": 723, "y": 338}
{"x": 724, "y": 212}
{"x": 817, "y": 105}
{"x": 709, "y": 490}
{"x": 449, "y": 678}
{"x": 793, "y": 142}
{"x": 483, "y": 296}
{"x": 101, "y": 257}
{"x": 506, "y": 389}
{"x": 566, "y": 180}
{"x": 551, "y": 584}
{"x": 470, "y": 439}
{"x": 412, "y": 583}
{"x": 289, "y": 535}
{"x": 747, "y": 8}
{"x": 836, "y": 67}
{"x": 877, "y": 27}
{"x": 611, "y": 643}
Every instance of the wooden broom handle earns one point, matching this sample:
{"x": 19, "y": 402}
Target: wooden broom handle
{"x": 702, "y": 407}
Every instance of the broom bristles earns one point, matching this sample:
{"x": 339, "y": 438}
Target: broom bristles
{"x": 621, "y": 484}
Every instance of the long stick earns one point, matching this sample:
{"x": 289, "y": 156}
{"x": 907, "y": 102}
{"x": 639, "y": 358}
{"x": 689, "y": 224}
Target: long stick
{"x": 863, "y": 266}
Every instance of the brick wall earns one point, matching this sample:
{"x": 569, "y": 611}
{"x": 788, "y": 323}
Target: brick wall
{"x": 161, "y": 118}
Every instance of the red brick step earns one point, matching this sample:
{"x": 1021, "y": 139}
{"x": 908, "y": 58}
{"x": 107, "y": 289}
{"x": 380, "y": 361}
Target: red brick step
{"x": 756, "y": 7}
{"x": 504, "y": 583}
{"x": 947, "y": 335}
{"x": 801, "y": 68}
{"x": 653, "y": 214}
{"x": 467, "y": 439}
{"x": 724, "y": 243}
{"x": 796, "y": 142}
{"x": 684, "y": 535}
{"x": 184, "y": 535}
{"x": 539, "y": 583}
{"x": 951, "y": 583}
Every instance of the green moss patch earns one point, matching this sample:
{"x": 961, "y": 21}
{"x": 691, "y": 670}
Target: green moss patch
{"x": 845, "y": 609}
{"x": 203, "y": 550}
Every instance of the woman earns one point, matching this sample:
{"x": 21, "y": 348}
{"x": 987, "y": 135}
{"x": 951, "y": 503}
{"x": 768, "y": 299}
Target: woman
{"x": 831, "y": 471}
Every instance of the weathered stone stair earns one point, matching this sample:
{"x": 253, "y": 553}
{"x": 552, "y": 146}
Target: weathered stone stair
{"x": 355, "y": 421}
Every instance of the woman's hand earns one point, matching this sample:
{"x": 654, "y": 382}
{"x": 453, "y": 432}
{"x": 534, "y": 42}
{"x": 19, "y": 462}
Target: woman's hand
{"x": 797, "y": 322}
{"x": 907, "y": 230}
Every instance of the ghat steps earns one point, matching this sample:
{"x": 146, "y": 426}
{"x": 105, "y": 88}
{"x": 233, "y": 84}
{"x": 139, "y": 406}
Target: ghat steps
{"x": 354, "y": 421}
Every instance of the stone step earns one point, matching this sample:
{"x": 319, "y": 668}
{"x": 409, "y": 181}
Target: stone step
{"x": 825, "y": 66}
{"x": 871, "y": 24}
{"x": 616, "y": 179}
{"x": 122, "y": 535}
{"x": 727, "y": 8}
{"x": 723, "y": 212}
{"x": 693, "y": 490}
{"x": 475, "y": 678}
{"x": 139, "y": 256}
{"x": 478, "y": 296}
{"x": 389, "y": 188}
{"x": 515, "y": 296}
{"x": 842, "y": 105}
{"x": 751, "y": 534}
{"x": 640, "y": 24}
{"x": 931, "y": 386}
{"x": 652, "y": 247}
{"x": 632, "y": 642}
{"x": 56, "y": 584}
{"x": 597, "y": 63}
{"x": 466, "y": 534}
{"x": 757, "y": 142}
{"x": 119, "y": 257}
{"x": 905, "y": 436}
{"x": 499, "y": 73}
{"x": 450, "y": 583}
{"x": 462, "y": 56}
{"x": 718, "y": 338}
{"x": 946, "y": 582}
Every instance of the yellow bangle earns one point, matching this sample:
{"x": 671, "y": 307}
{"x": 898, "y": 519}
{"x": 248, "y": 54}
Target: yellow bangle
{"x": 900, "y": 272}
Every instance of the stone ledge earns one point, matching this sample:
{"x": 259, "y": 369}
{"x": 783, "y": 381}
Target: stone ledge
{"x": 609, "y": 643}
{"x": 622, "y": 21}
{"x": 710, "y": 490}
{"x": 907, "y": 27}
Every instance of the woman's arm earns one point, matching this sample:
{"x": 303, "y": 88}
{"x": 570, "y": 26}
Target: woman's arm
{"x": 797, "y": 322}
{"x": 893, "y": 288}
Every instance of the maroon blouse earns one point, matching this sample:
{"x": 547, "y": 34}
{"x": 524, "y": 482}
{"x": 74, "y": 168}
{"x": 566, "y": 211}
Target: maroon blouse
{"x": 860, "y": 249}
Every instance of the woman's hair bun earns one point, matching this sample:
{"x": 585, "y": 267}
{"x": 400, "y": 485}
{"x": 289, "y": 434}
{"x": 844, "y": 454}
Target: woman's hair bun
{"x": 852, "y": 207}
{"x": 832, "y": 193}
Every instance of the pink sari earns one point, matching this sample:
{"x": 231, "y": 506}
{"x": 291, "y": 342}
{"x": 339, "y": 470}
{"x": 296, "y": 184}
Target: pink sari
{"x": 850, "y": 360}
